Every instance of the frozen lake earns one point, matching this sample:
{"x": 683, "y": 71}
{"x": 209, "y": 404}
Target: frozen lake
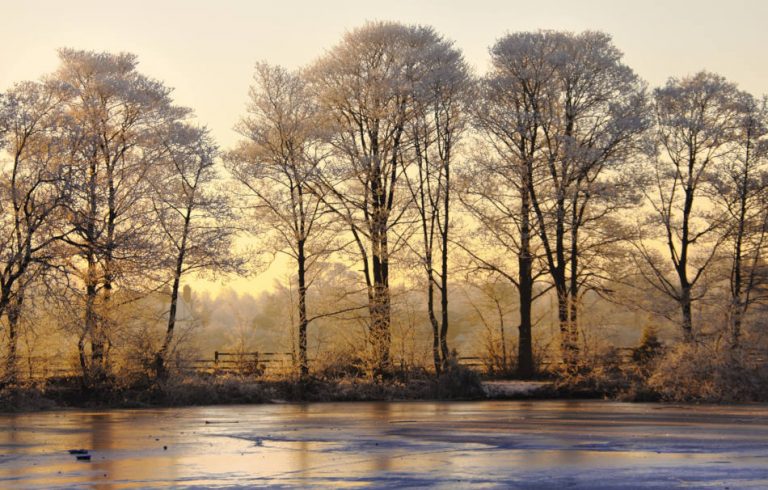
{"x": 506, "y": 444}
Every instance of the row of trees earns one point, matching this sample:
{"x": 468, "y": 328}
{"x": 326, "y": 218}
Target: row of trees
{"x": 605, "y": 175}
{"x": 557, "y": 171}
{"x": 364, "y": 138}
{"x": 106, "y": 195}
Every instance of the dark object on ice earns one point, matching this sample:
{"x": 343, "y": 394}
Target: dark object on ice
{"x": 83, "y": 457}
{"x": 165, "y": 448}
{"x": 78, "y": 451}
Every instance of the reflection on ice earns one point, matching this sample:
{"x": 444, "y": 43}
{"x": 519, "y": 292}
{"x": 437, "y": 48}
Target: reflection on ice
{"x": 520, "y": 444}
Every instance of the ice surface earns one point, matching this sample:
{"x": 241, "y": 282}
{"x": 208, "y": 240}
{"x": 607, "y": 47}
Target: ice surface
{"x": 495, "y": 444}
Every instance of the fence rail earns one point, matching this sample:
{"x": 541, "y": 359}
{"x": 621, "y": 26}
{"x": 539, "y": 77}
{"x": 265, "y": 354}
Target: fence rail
{"x": 39, "y": 368}
{"x": 242, "y": 362}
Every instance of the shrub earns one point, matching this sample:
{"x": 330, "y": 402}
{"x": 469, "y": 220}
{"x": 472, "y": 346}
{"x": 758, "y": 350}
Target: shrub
{"x": 339, "y": 364}
{"x": 607, "y": 372}
{"x": 457, "y": 381}
{"x": 709, "y": 372}
{"x": 23, "y": 398}
{"x": 650, "y": 347}
{"x": 197, "y": 390}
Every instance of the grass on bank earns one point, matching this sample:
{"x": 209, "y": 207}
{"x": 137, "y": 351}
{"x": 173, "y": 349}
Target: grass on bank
{"x": 703, "y": 371}
{"x": 184, "y": 389}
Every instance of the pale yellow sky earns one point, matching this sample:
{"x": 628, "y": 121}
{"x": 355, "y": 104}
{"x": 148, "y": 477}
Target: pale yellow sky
{"x": 206, "y": 50}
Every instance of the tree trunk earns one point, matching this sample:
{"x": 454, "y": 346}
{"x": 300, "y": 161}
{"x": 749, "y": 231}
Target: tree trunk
{"x": 91, "y": 324}
{"x": 101, "y": 355}
{"x": 737, "y": 308}
{"x": 436, "y": 344}
{"x": 568, "y": 347}
{"x": 161, "y": 369}
{"x": 573, "y": 320}
{"x": 525, "y": 366}
{"x": 303, "y": 322}
{"x": 13, "y": 313}
{"x": 444, "y": 260}
{"x": 503, "y": 338}
{"x": 735, "y": 320}
{"x": 90, "y": 318}
{"x": 82, "y": 358}
{"x": 380, "y": 308}
{"x": 445, "y": 352}
{"x": 685, "y": 306}
{"x": 573, "y": 289}
{"x": 682, "y": 266}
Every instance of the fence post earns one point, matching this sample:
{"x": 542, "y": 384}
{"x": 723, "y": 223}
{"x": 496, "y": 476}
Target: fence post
{"x": 216, "y": 357}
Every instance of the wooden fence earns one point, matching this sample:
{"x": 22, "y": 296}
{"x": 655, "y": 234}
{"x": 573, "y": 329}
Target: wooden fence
{"x": 242, "y": 362}
{"x": 277, "y": 363}
{"x": 283, "y": 363}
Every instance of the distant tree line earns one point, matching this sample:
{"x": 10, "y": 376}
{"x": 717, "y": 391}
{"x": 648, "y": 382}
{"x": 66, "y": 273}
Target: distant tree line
{"x": 557, "y": 171}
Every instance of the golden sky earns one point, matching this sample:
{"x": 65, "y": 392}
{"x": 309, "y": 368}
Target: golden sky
{"x": 206, "y": 50}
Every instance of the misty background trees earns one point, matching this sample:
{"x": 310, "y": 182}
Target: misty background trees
{"x": 424, "y": 209}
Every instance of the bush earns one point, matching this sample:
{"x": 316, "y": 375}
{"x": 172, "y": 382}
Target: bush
{"x": 339, "y": 364}
{"x": 457, "y": 381}
{"x": 650, "y": 348}
{"x": 606, "y": 372}
{"x": 24, "y": 399}
{"x": 708, "y": 372}
{"x": 200, "y": 390}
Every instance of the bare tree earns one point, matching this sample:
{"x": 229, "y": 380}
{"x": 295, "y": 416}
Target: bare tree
{"x": 275, "y": 165}
{"x": 32, "y": 192}
{"x": 601, "y": 115}
{"x": 740, "y": 185}
{"x": 113, "y": 114}
{"x": 696, "y": 119}
{"x": 566, "y": 114}
{"x": 503, "y": 241}
{"x": 365, "y": 90}
{"x": 194, "y": 216}
{"x": 439, "y": 120}
{"x": 511, "y": 114}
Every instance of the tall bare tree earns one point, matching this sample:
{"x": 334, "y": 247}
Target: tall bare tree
{"x": 440, "y": 101}
{"x": 740, "y": 185}
{"x": 275, "y": 164}
{"x": 696, "y": 120}
{"x": 194, "y": 215}
{"x": 365, "y": 91}
{"x": 566, "y": 114}
{"x": 601, "y": 115}
{"x": 32, "y": 192}
{"x": 113, "y": 114}
{"x": 511, "y": 114}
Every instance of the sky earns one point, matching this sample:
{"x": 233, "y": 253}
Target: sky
{"x": 206, "y": 50}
